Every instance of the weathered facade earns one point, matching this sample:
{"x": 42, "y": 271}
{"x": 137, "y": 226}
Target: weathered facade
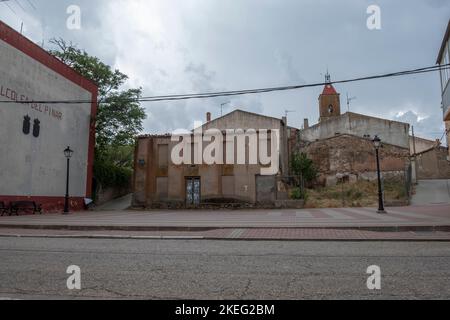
{"x": 159, "y": 182}
{"x": 352, "y": 158}
{"x": 433, "y": 164}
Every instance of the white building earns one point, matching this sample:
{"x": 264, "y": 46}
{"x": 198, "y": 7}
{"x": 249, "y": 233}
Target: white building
{"x": 34, "y": 135}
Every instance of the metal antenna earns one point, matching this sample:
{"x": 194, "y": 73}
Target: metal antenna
{"x": 286, "y": 112}
{"x": 223, "y": 105}
{"x": 348, "y": 102}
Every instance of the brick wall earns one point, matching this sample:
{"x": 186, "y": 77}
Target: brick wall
{"x": 353, "y": 157}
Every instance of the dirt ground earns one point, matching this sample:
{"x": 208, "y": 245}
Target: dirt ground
{"x": 359, "y": 194}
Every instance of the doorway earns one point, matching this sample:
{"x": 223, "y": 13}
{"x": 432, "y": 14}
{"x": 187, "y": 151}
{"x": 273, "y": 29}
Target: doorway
{"x": 265, "y": 189}
{"x": 193, "y": 192}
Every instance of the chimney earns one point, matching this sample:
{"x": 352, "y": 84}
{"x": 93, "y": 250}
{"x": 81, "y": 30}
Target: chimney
{"x": 438, "y": 142}
{"x": 305, "y": 124}
{"x": 208, "y": 117}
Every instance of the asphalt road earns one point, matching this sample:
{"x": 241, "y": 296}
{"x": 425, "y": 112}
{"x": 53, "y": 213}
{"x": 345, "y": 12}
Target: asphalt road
{"x": 151, "y": 269}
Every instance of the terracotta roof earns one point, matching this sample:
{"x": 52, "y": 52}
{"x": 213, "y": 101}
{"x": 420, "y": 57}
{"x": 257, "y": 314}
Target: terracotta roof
{"x": 329, "y": 90}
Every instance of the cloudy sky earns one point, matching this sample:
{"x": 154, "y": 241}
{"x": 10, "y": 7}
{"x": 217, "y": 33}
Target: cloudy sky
{"x": 193, "y": 46}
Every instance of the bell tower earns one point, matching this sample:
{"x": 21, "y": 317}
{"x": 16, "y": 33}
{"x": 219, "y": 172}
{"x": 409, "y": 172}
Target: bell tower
{"x": 329, "y": 101}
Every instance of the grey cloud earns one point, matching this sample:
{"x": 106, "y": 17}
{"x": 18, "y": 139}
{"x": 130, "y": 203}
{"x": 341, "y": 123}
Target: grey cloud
{"x": 286, "y": 64}
{"x": 227, "y": 45}
{"x": 430, "y": 127}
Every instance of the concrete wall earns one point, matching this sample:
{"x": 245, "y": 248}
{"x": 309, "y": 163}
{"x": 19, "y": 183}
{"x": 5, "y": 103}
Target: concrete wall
{"x": 421, "y": 144}
{"x": 391, "y": 132}
{"x": 36, "y": 166}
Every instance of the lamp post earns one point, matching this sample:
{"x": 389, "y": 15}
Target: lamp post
{"x": 68, "y": 154}
{"x": 377, "y": 145}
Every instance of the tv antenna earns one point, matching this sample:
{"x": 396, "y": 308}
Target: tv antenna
{"x": 349, "y": 100}
{"x": 223, "y": 105}
{"x": 286, "y": 113}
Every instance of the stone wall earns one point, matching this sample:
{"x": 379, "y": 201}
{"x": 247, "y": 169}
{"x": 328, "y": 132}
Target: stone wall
{"x": 433, "y": 164}
{"x": 105, "y": 195}
{"x": 353, "y": 158}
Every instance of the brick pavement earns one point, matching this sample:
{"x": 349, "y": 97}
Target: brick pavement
{"x": 432, "y": 216}
{"x": 298, "y": 234}
{"x": 403, "y": 223}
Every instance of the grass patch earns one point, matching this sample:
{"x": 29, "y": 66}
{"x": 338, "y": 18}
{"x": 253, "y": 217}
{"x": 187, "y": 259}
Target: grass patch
{"x": 359, "y": 194}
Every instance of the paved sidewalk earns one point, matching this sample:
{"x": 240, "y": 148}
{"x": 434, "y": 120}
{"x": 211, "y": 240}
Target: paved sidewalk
{"x": 119, "y": 204}
{"x": 415, "y": 218}
{"x": 432, "y": 192}
{"x": 280, "y": 234}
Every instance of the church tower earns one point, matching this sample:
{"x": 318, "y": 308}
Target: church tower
{"x": 329, "y": 101}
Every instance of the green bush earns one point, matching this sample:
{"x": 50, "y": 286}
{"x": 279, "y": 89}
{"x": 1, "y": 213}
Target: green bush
{"x": 303, "y": 167}
{"x": 298, "y": 194}
{"x": 110, "y": 175}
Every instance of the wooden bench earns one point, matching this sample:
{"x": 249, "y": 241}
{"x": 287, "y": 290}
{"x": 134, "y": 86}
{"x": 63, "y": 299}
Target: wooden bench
{"x": 3, "y": 208}
{"x": 25, "y": 206}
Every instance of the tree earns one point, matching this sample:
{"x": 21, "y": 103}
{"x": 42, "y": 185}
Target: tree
{"x": 303, "y": 167}
{"x": 119, "y": 114}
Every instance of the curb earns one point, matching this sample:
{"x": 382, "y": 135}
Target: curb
{"x": 125, "y": 237}
{"x": 99, "y": 236}
{"x": 429, "y": 228}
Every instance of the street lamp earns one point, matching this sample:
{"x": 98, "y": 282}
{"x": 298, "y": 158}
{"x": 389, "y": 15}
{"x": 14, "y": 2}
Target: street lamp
{"x": 377, "y": 144}
{"x": 68, "y": 154}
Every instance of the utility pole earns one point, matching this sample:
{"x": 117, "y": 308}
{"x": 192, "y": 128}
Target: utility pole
{"x": 414, "y": 158}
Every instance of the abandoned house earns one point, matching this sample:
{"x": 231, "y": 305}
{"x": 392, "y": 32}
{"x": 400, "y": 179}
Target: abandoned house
{"x": 162, "y": 182}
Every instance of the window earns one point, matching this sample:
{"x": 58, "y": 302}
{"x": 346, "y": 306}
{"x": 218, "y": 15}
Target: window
{"x": 163, "y": 155}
